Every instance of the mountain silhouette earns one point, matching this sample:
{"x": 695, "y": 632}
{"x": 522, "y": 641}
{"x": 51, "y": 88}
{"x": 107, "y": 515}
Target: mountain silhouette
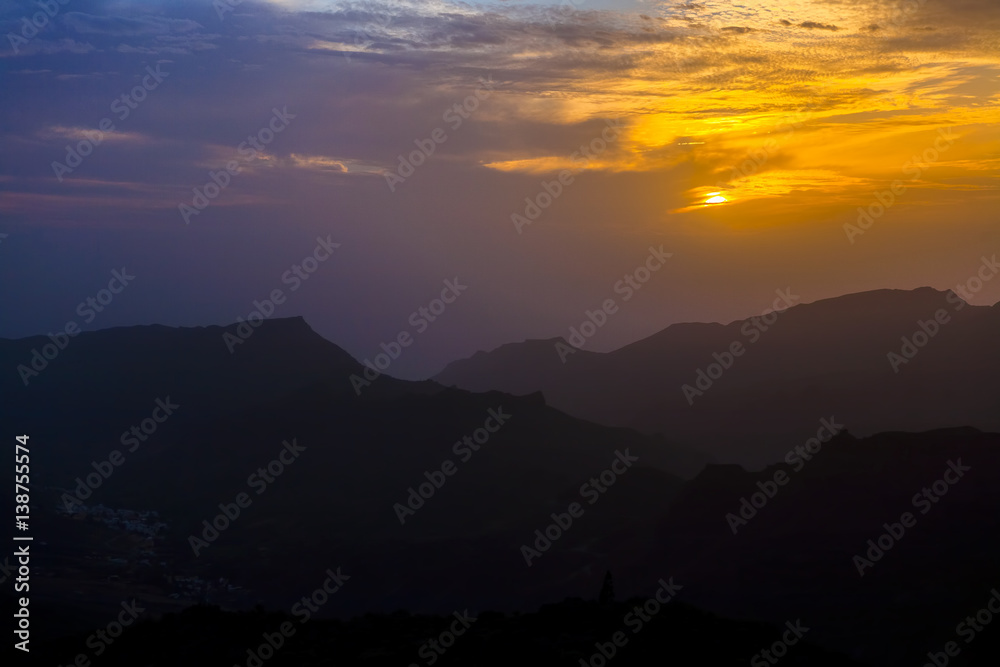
{"x": 385, "y": 484}
{"x": 815, "y": 360}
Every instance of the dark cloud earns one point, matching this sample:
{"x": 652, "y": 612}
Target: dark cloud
{"x": 812, "y": 25}
{"x": 49, "y": 47}
{"x": 120, "y": 25}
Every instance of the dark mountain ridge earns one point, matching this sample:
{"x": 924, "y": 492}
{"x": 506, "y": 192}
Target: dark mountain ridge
{"x": 814, "y": 360}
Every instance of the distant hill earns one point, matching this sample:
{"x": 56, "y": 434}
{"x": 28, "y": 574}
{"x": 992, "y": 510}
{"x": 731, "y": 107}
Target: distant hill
{"x": 822, "y": 359}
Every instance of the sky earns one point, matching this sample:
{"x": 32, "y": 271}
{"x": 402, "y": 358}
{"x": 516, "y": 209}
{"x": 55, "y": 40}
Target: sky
{"x": 587, "y": 135}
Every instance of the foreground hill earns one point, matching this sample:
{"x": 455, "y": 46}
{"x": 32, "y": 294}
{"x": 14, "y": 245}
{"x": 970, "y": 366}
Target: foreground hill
{"x": 557, "y": 634}
{"x": 126, "y": 422}
{"x": 271, "y": 471}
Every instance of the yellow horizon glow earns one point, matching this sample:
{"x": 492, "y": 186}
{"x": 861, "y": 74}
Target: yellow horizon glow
{"x": 818, "y": 112}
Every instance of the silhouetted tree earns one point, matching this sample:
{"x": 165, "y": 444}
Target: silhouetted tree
{"x": 607, "y": 589}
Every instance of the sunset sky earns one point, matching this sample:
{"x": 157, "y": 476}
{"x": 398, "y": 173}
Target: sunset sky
{"x": 790, "y": 114}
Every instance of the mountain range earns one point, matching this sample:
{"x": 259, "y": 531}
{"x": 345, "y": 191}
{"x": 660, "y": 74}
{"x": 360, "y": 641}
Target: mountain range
{"x": 866, "y": 359}
{"x": 529, "y": 480}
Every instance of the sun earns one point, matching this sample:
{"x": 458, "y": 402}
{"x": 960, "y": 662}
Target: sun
{"x": 700, "y": 201}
